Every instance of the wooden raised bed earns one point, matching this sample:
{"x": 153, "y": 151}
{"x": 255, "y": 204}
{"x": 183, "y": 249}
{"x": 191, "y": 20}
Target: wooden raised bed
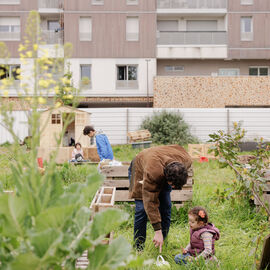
{"x": 117, "y": 176}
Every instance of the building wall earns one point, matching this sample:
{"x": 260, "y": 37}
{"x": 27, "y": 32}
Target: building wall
{"x": 206, "y": 67}
{"x": 104, "y": 76}
{"x": 259, "y": 47}
{"x": 109, "y": 36}
{"x": 211, "y": 92}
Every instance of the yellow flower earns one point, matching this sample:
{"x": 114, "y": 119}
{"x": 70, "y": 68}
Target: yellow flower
{"x": 5, "y": 93}
{"x": 29, "y": 54}
{"x": 56, "y": 90}
{"x": 49, "y": 75}
{"x": 65, "y": 80}
{"x": 21, "y": 48}
{"x": 18, "y": 71}
{"x": 43, "y": 83}
{"x": 58, "y": 104}
{"x": 69, "y": 97}
{"x": 41, "y": 100}
{"x": 67, "y": 89}
{"x": 35, "y": 47}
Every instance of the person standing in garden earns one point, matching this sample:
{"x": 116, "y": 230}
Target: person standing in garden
{"x": 104, "y": 148}
{"x": 153, "y": 173}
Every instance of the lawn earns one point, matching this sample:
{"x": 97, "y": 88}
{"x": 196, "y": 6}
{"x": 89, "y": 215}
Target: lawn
{"x": 238, "y": 222}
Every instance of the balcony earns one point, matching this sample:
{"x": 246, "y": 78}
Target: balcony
{"x": 192, "y": 45}
{"x": 50, "y": 6}
{"x": 9, "y": 2}
{"x": 10, "y": 36}
{"x": 125, "y": 84}
{"x": 192, "y": 4}
{"x": 52, "y": 37}
{"x": 189, "y": 7}
{"x": 192, "y": 38}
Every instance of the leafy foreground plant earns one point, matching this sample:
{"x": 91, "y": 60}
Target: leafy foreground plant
{"x": 44, "y": 225}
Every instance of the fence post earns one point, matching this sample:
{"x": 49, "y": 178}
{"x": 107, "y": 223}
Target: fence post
{"x": 127, "y": 123}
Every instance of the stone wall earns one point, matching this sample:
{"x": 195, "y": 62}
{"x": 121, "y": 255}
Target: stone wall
{"x": 211, "y": 92}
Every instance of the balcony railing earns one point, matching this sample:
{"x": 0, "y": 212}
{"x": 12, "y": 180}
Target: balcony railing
{"x": 57, "y": 4}
{"x": 192, "y": 4}
{"x": 10, "y": 35}
{"x": 52, "y": 37}
{"x": 123, "y": 84}
{"x": 9, "y": 2}
{"x": 191, "y": 38}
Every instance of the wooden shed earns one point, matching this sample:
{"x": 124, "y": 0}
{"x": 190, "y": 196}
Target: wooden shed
{"x": 52, "y": 123}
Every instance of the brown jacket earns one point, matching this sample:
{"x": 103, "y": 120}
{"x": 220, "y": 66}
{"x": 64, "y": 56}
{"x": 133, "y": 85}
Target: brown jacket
{"x": 147, "y": 177}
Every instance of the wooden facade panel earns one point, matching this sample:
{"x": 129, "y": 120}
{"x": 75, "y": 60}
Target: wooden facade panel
{"x": 109, "y": 36}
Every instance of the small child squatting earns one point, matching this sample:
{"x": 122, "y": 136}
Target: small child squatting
{"x": 202, "y": 237}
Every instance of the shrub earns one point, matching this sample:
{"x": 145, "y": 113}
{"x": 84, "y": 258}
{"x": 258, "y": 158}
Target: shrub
{"x": 168, "y": 128}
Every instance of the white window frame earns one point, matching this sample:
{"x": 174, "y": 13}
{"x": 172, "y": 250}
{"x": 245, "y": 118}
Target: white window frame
{"x": 258, "y": 67}
{"x": 246, "y": 2}
{"x": 98, "y": 2}
{"x": 81, "y": 78}
{"x": 246, "y": 36}
{"x": 10, "y": 71}
{"x": 174, "y": 68}
{"x": 127, "y": 33}
{"x": 228, "y": 69}
{"x": 132, "y": 2}
{"x": 81, "y": 34}
{"x": 127, "y": 66}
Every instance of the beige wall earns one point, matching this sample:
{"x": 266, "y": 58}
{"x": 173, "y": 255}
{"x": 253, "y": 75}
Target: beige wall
{"x": 109, "y": 36}
{"x": 25, "y": 5}
{"x": 258, "y": 47}
{"x": 206, "y": 67}
{"x": 211, "y": 92}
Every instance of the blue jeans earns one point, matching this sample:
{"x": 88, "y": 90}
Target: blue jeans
{"x": 181, "y": 258}
{"x": 140, "y": 222}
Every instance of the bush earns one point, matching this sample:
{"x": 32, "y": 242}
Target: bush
{"x": 168, "y": 128}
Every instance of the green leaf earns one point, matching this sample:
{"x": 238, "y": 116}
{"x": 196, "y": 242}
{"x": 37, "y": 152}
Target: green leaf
{"x": 26, "y": 261}
{"x": 104, "y": 222}
{"x": 13, "y": 211}
{"x": 46, "y": 241}
{"x": 54, "y": 217}
{"x": 109, "y": 257}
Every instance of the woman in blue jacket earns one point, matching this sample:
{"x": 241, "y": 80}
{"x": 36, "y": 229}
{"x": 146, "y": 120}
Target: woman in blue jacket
{"x": 104, "y": 148}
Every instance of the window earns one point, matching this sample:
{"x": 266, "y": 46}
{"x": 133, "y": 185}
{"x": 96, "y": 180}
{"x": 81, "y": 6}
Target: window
{"x": 246, "y": 2}
{"x": 10, "y": 71}
{"x": 229, "y": 72}
{"x": 174, "y": 68}
{"x": 9, "y": 2}
{"x": 53, "y": 25}
{"x": 132, "y": 2}
{"x": 56, "y": 118}
{"x": 126, "y": 73}
{"x": 132, "y": 29}
{"x": 10, "y": 28}
{"x": 258, "y": 71}
{"x": 97, "y": 2}
{"x": 85, "y": 30}
{"x": 167, "y": 25}
{"x": 246, "y": 28}
{"x": 85, "y": 75}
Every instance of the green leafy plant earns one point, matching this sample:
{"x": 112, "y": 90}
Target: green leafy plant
{"x": 44, "y": 224}
{"x": 168, "y": 128}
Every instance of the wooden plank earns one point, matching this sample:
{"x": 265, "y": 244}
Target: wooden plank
{"x": 176, "y": 195}
{"x": 139, "y": 135}
{"x": 123, "y": 183}
{"x": 110, "y": 171}
{"x": 265, "y": 258}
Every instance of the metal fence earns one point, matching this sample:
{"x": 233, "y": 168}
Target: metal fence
{"x": 50, "y": 4}
{"x": 192, "y": 4}
{"x": 191, "y": 38}
{"x": 116, "y": 122}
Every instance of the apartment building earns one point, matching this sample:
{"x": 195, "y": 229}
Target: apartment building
{"x": 114, "y": 42}
{"x": 213, "y": 37}
{"x": 121, "y": 47}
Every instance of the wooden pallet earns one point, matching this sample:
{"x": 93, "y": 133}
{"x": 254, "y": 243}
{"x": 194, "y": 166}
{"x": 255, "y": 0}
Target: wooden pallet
{"x": 104, "y": 199}
{"x": 196, "y": 151}
{"x": 139, "y": 135}
{"x": 117, "y": 177}
{"x": 266, "y": 189}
